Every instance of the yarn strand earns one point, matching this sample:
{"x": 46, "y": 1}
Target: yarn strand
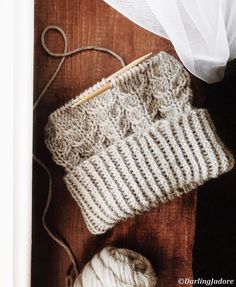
{"x": 44, "y": 222}
{"x": 63, "y": 56}
{"x": 66, "y": 54}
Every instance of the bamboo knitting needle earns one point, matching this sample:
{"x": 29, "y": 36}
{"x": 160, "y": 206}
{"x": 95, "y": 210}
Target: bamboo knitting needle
{"x": 108, "y": 86}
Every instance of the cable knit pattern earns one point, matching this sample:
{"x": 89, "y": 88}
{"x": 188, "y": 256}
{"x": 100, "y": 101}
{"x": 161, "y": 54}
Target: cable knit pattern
{"x": 137, "y": 145}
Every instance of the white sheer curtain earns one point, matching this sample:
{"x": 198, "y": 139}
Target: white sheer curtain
{"x": 203, "y": 32}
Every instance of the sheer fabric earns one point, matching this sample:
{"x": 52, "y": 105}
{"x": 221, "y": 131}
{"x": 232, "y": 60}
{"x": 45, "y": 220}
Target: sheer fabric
{"x": 202, "y": 32}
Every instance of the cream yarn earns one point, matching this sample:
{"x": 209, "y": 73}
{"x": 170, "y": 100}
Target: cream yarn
{"x": 136, "y": 146}
{"x": 117, "y": 268}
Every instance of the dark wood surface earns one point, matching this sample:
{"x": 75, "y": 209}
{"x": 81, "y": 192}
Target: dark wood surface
{"x": 166, "y": 234}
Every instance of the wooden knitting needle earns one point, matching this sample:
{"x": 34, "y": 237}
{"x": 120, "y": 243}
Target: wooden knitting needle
{"x": 108, "y": 86}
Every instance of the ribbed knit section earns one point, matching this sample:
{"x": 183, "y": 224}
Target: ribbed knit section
{"x": 137, "y": 145}
{"x": 172, "y": 157}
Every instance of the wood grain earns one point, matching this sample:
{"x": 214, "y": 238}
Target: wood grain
{"x": 166, "y": 234}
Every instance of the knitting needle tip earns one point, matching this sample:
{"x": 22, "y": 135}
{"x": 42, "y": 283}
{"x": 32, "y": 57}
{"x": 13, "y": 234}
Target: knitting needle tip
{"x": 108, "y": 86}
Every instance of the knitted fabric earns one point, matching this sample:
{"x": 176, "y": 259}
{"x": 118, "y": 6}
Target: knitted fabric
{"x": 136, "y": 145}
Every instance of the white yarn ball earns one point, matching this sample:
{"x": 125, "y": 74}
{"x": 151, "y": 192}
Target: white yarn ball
{"x": 114, "y": 267}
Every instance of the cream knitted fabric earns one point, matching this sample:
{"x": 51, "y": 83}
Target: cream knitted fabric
{"x": 137, "y": 145}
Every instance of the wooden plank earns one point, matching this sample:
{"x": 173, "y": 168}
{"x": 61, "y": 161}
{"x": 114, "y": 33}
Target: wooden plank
{"x": 166, "y": 234}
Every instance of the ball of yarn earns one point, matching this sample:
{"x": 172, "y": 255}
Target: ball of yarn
{"x": 114, "y": 267}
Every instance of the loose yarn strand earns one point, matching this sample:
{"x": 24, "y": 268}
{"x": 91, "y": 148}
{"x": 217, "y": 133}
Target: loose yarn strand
{"x": 66, "y": 54}
{"x": 44, "y": 222}
{"x": 63, "y": 56}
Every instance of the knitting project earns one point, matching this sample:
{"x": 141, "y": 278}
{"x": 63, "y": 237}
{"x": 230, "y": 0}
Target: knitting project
{"x": 137, "y": 145}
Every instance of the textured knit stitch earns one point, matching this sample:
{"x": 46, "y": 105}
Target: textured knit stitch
{"x": 137, "y": 145}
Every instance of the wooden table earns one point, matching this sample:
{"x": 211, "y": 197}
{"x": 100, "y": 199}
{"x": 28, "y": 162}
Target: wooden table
{"x": 164, "y": 235}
